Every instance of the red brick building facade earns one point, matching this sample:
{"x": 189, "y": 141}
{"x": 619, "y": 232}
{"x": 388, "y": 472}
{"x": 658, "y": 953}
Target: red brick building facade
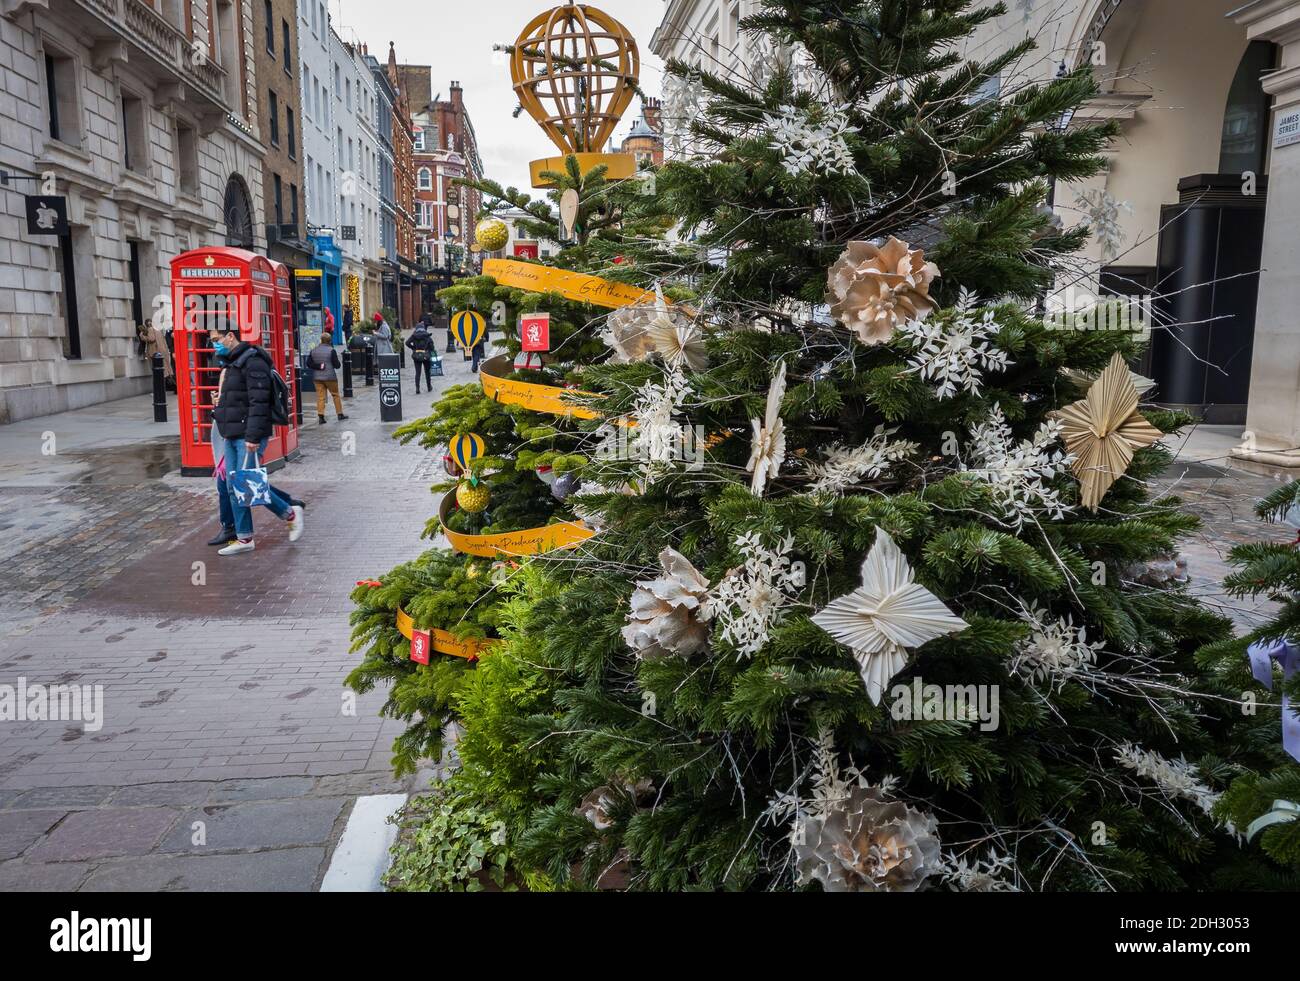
{"x": 409, "y": 301}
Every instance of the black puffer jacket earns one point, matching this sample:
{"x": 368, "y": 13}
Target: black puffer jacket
{"x": 244, "y": 410}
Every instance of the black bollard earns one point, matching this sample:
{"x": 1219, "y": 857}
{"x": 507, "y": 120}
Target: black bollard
{"x": 370, "y": 365}
{"x": 347, "y": 373}
{"x": 159, "y": 390}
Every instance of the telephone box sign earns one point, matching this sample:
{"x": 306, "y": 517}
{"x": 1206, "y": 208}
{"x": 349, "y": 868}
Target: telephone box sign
{"x": 535, "y": 331}
{"x": 211, "y": 272}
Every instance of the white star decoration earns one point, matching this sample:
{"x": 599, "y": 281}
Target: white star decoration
{"x": 769, "y": 438}
{"x": 886, "y": 615}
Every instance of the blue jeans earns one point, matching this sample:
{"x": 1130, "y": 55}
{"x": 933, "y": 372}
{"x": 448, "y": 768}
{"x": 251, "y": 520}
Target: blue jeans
{"x": 225, "y": 508}
{"x": 237, "y": 456}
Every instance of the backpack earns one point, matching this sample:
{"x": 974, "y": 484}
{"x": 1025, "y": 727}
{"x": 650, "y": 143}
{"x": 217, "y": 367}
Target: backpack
{"x": 279, "y": 399}
{"x": 279, "y": 390}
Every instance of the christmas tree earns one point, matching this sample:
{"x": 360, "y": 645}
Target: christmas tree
{"x": 862, "y": 611}
{"x": 1264, "y": 802}
{"x": 518, "y": 475}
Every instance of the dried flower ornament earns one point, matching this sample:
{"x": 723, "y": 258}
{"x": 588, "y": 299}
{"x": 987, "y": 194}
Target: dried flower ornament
{"x": 875, "y": 289}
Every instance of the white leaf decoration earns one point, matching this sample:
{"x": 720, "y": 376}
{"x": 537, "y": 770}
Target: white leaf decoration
{"x": 769, "y": 438}
{"x": 884, "y": 617}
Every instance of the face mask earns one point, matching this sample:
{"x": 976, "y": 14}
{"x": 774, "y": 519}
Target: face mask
{"x": 219, "y": 349}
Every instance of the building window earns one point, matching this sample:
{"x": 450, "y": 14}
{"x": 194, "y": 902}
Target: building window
{"x": 270, "y": 27}
{"x": 291, "y": 132}
{"x": 419, "y": 140}
{"x": 135, "y": 142}
{"x": 306, "y": 87}
{"x": 284, "y": 32}
{"x": 337, "y": 75}
{"x": 61, "y": 96}
{"x": 279, "y": 201}
{"x": 273, "y": 115}
{"x": 347, "y": 92}
{"x": 293, "y": 205}
{"x": 187, "y": 159}
{"x": 426, "y": 179}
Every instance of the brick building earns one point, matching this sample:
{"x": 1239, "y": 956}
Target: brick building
{"x": 646, "y": 140}
{"x": 143, "y": 116}
{"x": 275, "y": 52}
{"x": 408, "y": 271}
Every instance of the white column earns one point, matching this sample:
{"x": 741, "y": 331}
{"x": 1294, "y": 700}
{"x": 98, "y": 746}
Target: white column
{"x": 1272, "y": 440}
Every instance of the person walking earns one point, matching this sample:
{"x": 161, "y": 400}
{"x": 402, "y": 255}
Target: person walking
{"x": 225, "y": 508}
{"x": 347, "y": 322}
{"x": 328, "y": 324}
{"x": 383, "y": 335}
{"x": 243, "y": 417}
{"x": 422, "y": 347}
{"x": 324, "y": 361}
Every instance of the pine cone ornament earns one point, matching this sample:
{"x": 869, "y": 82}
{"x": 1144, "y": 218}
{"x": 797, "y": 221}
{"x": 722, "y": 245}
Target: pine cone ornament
{"x": 864, "y": 843}
{"x": 666, "y": 613}
{"x": 472, "y": 498}
{"x": 491, "y": 234}
{"x": 875, "y": 289}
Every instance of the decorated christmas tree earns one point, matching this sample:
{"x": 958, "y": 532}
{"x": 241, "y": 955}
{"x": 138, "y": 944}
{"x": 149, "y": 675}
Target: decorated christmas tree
{"x": 1264, "y": 802}
{"x": 856, "y": 599}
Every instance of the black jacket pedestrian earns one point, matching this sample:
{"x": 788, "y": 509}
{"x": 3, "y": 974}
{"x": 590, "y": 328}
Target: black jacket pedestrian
{"x": 347, "y": 323}
{"x": 244, "y": 409}
{"x": 420, "y": 340}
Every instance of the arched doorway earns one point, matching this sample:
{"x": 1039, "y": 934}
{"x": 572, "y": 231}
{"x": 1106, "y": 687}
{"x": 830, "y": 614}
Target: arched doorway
{"x": 238, "y": 214}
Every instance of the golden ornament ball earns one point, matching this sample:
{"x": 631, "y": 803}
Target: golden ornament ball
{"x": 492, "y": 234}
{"x": 472, "y": 498}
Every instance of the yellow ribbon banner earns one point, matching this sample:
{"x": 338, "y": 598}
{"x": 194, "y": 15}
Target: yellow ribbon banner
{"x": 570, "y": 285}
{"x": 539, "y": 398}
{"x": 529, "y": 541}
{"x": 444, "y": 642}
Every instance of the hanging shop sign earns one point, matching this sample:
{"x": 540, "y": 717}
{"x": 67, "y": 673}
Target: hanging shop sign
{"x": 528, "y": 541}
{"x": 570, "y": 285}
{"x": 47, "y": 215}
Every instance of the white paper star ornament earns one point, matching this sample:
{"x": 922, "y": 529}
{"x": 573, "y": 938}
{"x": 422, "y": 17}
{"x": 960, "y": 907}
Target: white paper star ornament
{"x": 885, "y": 616}
{"x": 768, "y": 445}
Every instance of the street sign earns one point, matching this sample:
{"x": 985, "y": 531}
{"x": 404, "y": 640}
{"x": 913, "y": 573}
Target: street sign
{"x": 348, "y": 233}
{"x": 1286, "y": 130}
{"x": 47, "y": 215}
{"x": 390, "y": 388}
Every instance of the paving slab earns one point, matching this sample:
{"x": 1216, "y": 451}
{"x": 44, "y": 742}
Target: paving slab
{"x": 20, "y": 876}
{"x": 282, "y": 870}
{"x": 104, "y": 833}
{"x": 19, "y": 830}
{"x": 264, "y": 824}
{"x": 66, "y": 797}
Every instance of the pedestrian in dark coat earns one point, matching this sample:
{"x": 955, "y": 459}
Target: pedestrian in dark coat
{"x": 422, "y": 346}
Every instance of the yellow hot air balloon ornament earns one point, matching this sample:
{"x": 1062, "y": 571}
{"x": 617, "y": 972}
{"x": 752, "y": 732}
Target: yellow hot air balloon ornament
{"x": 469, "y": 328}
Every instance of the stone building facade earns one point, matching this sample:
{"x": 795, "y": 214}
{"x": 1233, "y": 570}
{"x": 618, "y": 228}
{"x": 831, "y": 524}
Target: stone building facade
{"x": 358, "y": 199}
{"x": 143, "y": 115}
{"x": 280, "y": 116}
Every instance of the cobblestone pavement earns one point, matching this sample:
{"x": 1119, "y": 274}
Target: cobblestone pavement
{"x": 229, "y": 753}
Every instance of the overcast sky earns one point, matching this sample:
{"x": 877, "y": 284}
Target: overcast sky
{"x": 456, "y": 38}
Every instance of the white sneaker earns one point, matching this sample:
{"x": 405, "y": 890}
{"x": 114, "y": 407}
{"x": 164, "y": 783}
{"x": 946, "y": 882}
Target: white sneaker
{"x": 236, "y": 548}
{"x": 295, "y": 526}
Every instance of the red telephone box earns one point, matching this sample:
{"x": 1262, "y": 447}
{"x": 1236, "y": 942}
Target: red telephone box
{"x": 212, "y": 289}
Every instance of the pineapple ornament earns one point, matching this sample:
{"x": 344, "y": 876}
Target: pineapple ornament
{"x": 472, "y": 495}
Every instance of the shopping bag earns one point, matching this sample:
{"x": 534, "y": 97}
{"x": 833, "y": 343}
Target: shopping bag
{"x": 250, "y": 486}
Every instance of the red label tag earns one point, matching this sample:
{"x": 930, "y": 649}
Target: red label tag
{"x": 525, "y": 250}
{"x": 535, "y": 331}
{"x": 420, "y": 646}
